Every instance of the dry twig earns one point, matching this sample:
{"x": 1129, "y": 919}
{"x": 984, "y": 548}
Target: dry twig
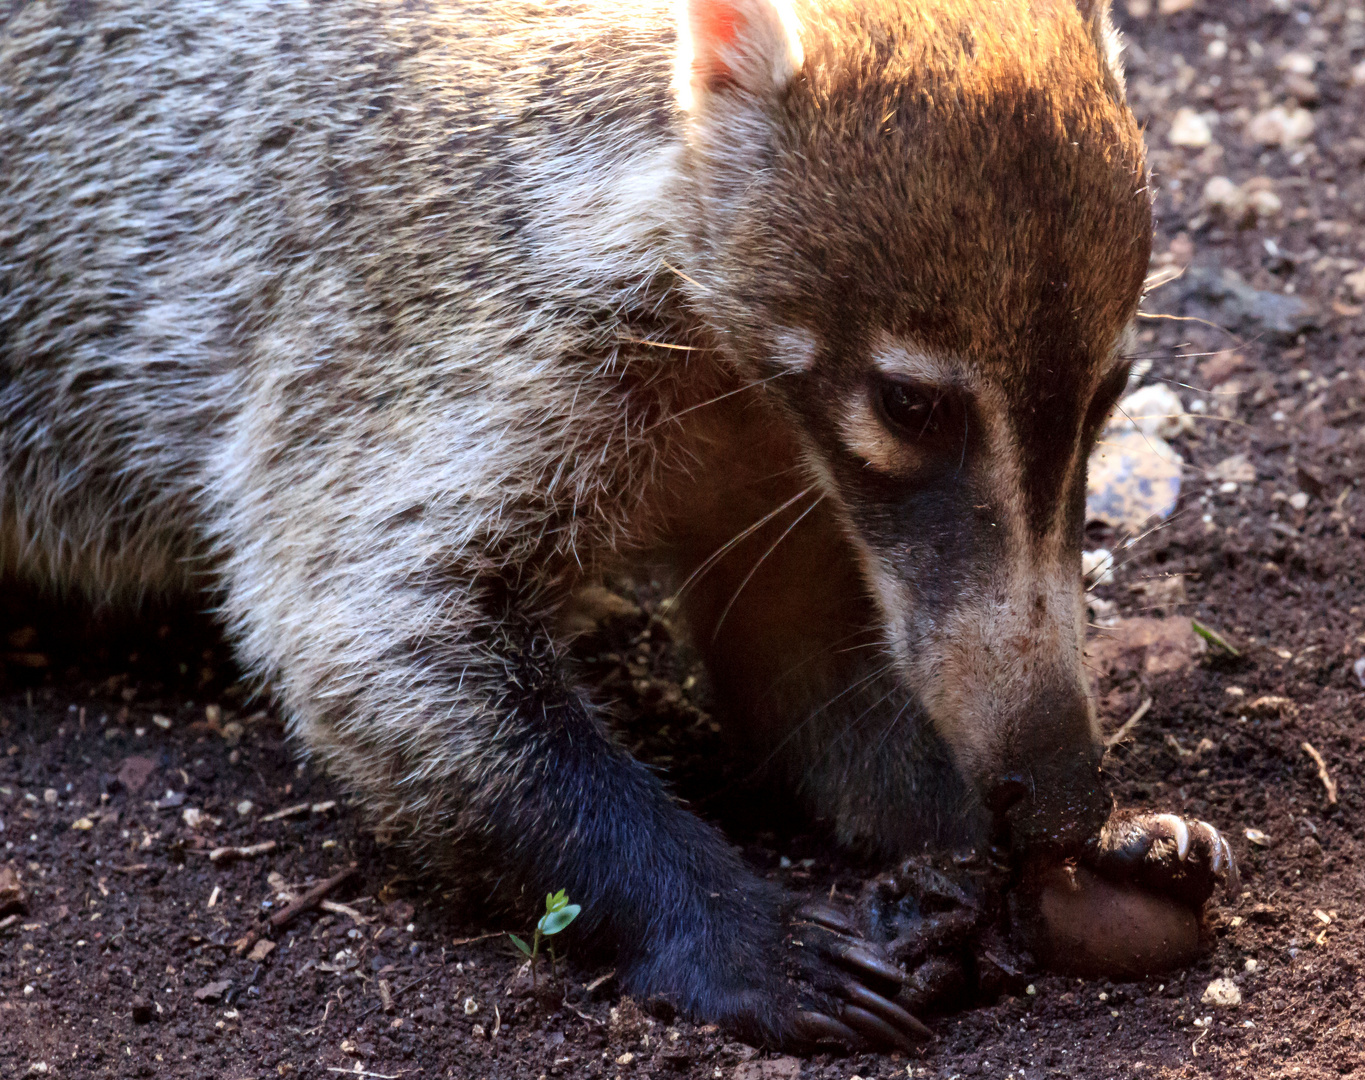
{"x": 1126, "y": 728}
{"x": 309, "y": 900}
{"x": 232, "y": 854}
{"x": 1328, "y": 783}
{"x": 481, "y": 937}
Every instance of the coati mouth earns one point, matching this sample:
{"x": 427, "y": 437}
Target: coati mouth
{"x": 1049, "y": 815}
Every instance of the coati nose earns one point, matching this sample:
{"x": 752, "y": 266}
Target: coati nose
{"x": 1048, "y": 794}
{"x": 1007, "y": 791}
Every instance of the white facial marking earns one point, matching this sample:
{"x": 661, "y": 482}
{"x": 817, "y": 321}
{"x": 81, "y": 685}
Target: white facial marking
{"x": 903, "y": 362}
{"x": 793, "y": 348}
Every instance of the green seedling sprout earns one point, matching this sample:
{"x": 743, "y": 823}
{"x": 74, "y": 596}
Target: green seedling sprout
{"x": 1214, "y": 638}
{"x": 559, "y": 913}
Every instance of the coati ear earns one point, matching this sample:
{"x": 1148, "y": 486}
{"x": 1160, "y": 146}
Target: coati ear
{"x": 750, "y": 46}
{"x": 1107, "y": 40}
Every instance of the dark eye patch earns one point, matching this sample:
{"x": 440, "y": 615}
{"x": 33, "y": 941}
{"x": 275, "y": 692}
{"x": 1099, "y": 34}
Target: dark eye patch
{"x": 918, "y": 413}
{"x": 1106, "y": 397}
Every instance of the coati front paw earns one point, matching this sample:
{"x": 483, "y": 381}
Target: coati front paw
{"x": 799, "y": 982}
{"x": 942, "y": 920}
{"x": 848, "y": 985}
{"x": 1177, "y": 857}
{"x": 1133, "y": 905}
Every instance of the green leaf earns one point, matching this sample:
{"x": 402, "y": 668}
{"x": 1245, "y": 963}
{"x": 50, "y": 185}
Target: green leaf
{"x": 552, "y": 922}
{"x": 1214, "y": 638}
{"x": 555, "y": 901}
{"x": 520, "y": 944}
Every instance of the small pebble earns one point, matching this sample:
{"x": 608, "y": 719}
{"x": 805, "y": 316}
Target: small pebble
{"x": 1299, "y": 500}
{"x": 1297, "y": 62}
{"x": 1356, "y": 284}
{"x": 1280, "y": 126}
{"x": 1222, "y": 993}
{"x": 1188, "y": 128}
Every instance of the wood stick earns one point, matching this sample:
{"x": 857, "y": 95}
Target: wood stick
{"x": 480, "y": 937}
{"x": 296, "y": 907}
{"x": 1127, "y": 728}
{"x": 250, "y": 851}
{"x": 1327, "y": 782}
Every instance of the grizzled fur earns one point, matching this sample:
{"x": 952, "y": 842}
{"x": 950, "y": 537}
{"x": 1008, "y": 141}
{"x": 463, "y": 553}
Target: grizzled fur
{"x": 386, "y": 326}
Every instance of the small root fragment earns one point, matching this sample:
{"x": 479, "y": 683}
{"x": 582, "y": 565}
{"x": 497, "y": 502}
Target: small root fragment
{"x": 307, "y": 902}
{"x": 1329, "y": 785}
{"x": 1128, "y": 725}
{"x": 232, "y": 854}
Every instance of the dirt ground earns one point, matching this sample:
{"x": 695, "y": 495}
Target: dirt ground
{"x": 129, "y": 754}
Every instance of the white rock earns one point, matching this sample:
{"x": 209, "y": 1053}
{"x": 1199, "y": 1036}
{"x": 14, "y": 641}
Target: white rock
{"x": 1099, "y": 565}
{"x": 1237, "y": 469}
{"x": 1223, "y": 993}
{"x": 1188, "y": 128}
{"x": 1280, "y": 126}
{"x": 1223, "y": 195}
{"x": 1299, "y": 500}
{"x": 1264, "y": 203}
{"x": 1358, "y": 74}
{"x": 1356, "y": 283}
{"x": 1299, "y": 63}
{"x": 1133, "y": 479}
{"x": 1153, "y": 410}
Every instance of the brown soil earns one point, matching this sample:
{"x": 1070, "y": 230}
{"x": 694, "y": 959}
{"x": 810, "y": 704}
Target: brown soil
{"x": 120, "y": 962}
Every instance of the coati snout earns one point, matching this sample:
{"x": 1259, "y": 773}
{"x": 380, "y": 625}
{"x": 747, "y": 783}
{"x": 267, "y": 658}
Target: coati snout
{"x": 385, "y": 327}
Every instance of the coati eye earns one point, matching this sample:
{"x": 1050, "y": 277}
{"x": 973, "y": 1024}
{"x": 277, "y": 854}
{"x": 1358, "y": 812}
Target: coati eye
{"x": 916, "y": 412}
{"x": 1106, "y": 397}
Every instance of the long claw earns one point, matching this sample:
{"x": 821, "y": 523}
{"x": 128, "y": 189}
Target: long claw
{"x": 875, "y": 1029}
{"x": 1233, "y": 882}
{"x": 816, "y": 1027}
{"x": 862, "y": 959}
{"x": 828, "y": 917}
{"x": 1181, "y": 831}
{"x": 893, "y": 1014}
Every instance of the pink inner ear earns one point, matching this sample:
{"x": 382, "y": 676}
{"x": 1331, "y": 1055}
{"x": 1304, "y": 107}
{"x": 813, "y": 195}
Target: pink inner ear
{"x": 714, "y": 26}
{"x": 715, "y": 23}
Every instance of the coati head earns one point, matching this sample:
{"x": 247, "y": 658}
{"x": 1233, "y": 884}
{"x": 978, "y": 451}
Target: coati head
{"x": 926, "y": 225}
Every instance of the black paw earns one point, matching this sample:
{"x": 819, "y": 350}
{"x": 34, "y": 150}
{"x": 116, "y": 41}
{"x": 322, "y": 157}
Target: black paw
{"x": 849, "y": 986}
{"x": 1166, "y": 854}
{"x": 942, "y": 921}
{"x": 794, "y": 981}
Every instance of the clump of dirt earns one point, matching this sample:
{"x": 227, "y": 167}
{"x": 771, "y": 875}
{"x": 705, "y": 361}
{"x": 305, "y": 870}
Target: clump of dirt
{"x": 129, "y": 756}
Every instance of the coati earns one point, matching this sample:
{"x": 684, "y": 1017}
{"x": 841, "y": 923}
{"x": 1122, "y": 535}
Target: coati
{"x": 385, "y": 327}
